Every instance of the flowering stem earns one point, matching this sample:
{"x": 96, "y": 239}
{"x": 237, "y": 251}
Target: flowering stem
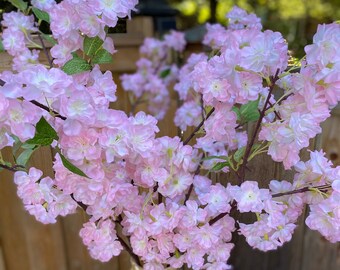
{"x": 42, "y": 106}
{"x": 128, "y": 249}
{"x": 301, "y": 190}
{"x": 198, "y": 127}
{"x": 187, "y": 196}
{"x": 257, "y": 128}
{"x": 120, "y": 239}
{"x": 46, "y": 108}
{"x": 14, "y": 168}
{"x": 45, "y": 51}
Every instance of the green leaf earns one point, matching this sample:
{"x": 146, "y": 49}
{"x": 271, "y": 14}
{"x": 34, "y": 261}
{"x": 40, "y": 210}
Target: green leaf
{"x": 28, "y": 146}
{"x": 220, "y": 166}
{"x": 17, "y": 144}
{"x": 19, "y": 4}
{"x": 68, "y": 165}
{"x": 256, "y": 147}
{"x": 2, "y": 49}
{"x": 165, "y": 73}
{"x": 76, "y": 65}
{"x": 249, "y": 111}
{"x": 215, "y": 157}
{"x": 102, "y": 57}
{"x": 237, "y": 111}
{"x": 239, "y": 154}
{"x": 49, "y": 38}
{"x": 24, "y": 157}
{"x": 92, "y": 45}
{"x": 44, "y": 133}
{"x": 41, "y": 15}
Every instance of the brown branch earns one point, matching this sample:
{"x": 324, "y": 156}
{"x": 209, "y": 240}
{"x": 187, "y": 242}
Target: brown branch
{"x": 129, "y": 249}
{"x": 276, "y": 113}
{"x": 198, "y": 127}
{"x": 14, "y": 168}
{"x": 45, "y": 51}
{"x": 187, "y": 196}
{"x": 125, "y": 245}
{"x": 42, "y": 106}
{"x": 301, "y": 190}
{"x": 257, "y": 127}
{"x": 222, "y": 215}
{"x": 120, "y": 239}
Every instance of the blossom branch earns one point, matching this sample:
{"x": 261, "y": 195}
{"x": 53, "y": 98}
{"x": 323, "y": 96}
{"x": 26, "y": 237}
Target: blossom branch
{"x": 301, "y": 190}
{"x": 14, "y": 168}
{"x": 198, "y": 127}
{"x": 120, "y": 239}
{"x": 257, "y": 127}
{"x": 45, "y": 51}
{"x": 42, "y": 106}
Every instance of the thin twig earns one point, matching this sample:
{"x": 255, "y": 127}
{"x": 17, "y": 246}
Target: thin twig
{"x": 45, "y": 51}
{"x": 187, "y": 196}
{"x": 198, "y": 127}
{"x": 128, "y": 249}
{"x": 257, "y": 127}
{"x": 301, "y": 190}
{"x": 276, "y": 113}
{"x": 14, "y": 168}
{"x": 42, "y": 106}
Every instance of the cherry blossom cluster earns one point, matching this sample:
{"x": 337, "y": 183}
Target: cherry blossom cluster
{"x": 156, "y": 71}
{"x": 152, "y": 195}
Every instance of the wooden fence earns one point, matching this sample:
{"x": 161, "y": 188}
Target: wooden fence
{"x": 28, "y": 245}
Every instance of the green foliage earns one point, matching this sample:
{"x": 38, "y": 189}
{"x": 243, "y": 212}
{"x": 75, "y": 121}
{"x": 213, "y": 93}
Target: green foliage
{"x": 165, "y": 73}
{"x": 249, "y": 111}
{"x": 49, "y": 38}
{"x": 220, "y": 166}
{"x": 102, "y": 56}
{"x": 44, "y": 134}
{"x": 92, "y": 45}
{"x": 25, "y": 155}
{"x": 41, "y": 15}
{"x": 68, "y": 165}
{"x": 19, "y": 4}
{"x": 239, "y": 154}
{"x": 93, "y": 48}
{"x": 76, "y": 65}
{"x": 2, "y": 49}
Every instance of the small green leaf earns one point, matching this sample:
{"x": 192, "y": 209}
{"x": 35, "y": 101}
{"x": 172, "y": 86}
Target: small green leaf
{"x": 220, "y": 166}
{"x": 41, "y": 15}
{"x": 239, "y": 154}
{"x": 256, "y": 147}
{"x": 19, "y": 4}
{"x": 102, "y": 57}
{"x": 165, "y": 73}
{"x": 68, "y": 165}
{"x": 24, "y": 157}
{"x": 17, "y": 144}
{"x": 28, "y": 146}
{"x": 215, "y": 157}
{"x": 44, "y": 133}
{"x": 49, "y": 38}
{"x": 2, "y": 49}
{"x": 76, "y": 65}
{"x": 92, "y": 45}
{"x": 237, "y": 111}
{"x": 249, "y": 111}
